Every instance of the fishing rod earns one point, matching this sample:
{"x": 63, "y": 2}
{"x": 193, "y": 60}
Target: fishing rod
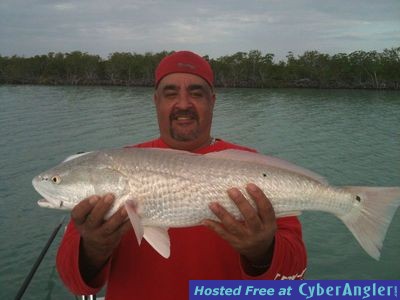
{"x": 35, "y": 266}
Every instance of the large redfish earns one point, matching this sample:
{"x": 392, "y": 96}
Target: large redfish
{"x": 170, "y": 188}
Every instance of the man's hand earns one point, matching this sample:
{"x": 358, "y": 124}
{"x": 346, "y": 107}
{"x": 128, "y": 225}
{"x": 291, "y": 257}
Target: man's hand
{"x": 253, "y": 238}
{"x": 99, "y": 238}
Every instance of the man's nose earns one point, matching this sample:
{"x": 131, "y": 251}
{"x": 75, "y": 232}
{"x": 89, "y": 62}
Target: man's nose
{"x": 183, "y": 100}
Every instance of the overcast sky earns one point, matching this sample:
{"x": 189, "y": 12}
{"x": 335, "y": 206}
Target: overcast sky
{"x": 213, "y": 27}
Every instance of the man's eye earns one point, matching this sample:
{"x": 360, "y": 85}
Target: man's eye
{"x": 170, "y": 95}
{"x": 196, "y": 94}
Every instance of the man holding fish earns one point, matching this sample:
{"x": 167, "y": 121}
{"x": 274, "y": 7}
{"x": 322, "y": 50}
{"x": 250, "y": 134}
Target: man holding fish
{"x": 95, "y": 251}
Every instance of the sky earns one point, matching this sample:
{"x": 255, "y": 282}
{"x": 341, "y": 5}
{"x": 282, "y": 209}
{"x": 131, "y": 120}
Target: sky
{"x": 210, "y": 27}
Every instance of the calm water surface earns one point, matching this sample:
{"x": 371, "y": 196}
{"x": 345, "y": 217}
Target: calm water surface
{"x": 350, "y": 137}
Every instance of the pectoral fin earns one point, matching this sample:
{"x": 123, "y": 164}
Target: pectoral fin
{"x": 135, "y": 220}
{"x": 158, "y": 238}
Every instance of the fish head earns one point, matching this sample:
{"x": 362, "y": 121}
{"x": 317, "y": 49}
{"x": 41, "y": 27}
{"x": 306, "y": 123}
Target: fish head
{"x": 77, "y": 178}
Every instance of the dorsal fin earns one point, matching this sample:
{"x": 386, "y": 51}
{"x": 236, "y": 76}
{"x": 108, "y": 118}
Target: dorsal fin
{"x": 170, "y": 150}
{"x": 79, "y": 154}
{"x": 269, "y": 161}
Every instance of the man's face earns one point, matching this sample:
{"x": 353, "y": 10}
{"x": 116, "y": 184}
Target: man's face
{"x": 184, "y": 104}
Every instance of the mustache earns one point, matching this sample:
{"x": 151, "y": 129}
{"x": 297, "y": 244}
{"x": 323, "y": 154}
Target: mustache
{"x": 176, "y": 113}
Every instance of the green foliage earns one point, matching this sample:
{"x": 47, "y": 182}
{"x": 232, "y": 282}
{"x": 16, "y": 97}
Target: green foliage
{"x": 358, "y": 69}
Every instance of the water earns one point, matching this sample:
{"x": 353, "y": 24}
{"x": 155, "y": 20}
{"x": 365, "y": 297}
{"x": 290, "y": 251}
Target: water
{"x": 351, "y": 137}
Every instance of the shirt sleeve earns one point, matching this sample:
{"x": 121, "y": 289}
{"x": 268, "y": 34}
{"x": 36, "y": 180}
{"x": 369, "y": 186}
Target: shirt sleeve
{"x": 67, "y": 263}
{"x": 289, "y": 260}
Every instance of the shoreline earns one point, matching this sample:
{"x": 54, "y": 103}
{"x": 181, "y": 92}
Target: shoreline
{"x": 151, "y": 85}
{"x": 370, "y": 70}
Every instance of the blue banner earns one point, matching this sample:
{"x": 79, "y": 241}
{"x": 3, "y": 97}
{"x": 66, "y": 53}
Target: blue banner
{"x": 298, "y": 290}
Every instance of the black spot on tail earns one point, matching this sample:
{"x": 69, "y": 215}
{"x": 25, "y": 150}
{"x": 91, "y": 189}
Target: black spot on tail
{"x": 358, "y": 198}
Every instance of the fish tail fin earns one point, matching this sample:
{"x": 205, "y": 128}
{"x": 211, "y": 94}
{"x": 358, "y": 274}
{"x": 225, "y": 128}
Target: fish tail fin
{"x": 370, "y": 223}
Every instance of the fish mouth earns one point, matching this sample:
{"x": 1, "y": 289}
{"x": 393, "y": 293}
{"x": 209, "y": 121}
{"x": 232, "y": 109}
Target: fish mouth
{"x": 47, "y": 201}
{"x": 58, "y": 204}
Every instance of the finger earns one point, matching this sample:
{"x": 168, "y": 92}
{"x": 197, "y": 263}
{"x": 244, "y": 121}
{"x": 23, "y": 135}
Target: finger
{"x": 264, "y": 206}
{"x": 80, "y": 212}
{"x": 217, "y": 227}
{"x": 124, "y": 227}
{"x": 249, "y": 213}
{"x": 116, "y": 221}
{"x": 230, "y": 224}
{"x": 96, "y": 216}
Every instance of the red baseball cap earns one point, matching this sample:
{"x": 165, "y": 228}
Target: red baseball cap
{"x": 184, "y": 62}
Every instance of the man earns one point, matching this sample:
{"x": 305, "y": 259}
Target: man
{"x": 94, "y": 252}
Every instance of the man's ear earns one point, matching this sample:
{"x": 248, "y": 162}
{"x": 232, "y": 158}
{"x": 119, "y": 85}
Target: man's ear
{"x": 155, "y": 97}
{"x": 213, "y": 98}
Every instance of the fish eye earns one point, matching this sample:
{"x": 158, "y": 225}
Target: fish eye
{"x": 56, "y": 179}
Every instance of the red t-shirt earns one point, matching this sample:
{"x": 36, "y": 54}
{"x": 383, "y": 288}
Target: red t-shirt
{"x": 135, "y": 272}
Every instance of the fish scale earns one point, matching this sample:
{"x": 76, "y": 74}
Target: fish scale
{"x": 195, "y": 191}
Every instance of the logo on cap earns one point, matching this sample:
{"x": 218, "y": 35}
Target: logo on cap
{"x": 185, "y": 65}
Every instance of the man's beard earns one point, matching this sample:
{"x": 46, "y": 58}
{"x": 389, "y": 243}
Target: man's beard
{"x": 184, "y": 136}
